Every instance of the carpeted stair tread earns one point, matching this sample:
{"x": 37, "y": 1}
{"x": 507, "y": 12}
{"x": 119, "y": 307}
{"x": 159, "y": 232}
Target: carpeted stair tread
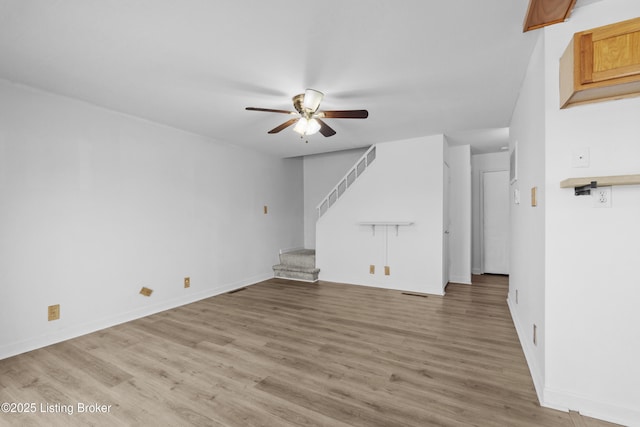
{"x": 302, "y": 257}
{"x": 287, "y": 267}
{"x": 298, "y": 265}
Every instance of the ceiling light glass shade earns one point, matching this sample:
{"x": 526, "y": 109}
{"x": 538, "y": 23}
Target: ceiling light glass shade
{"x": 307, "y": 126}
{"x": 301, "y": 126}
{"x": 312, "y": 127}
{"x": 312, "y": 99}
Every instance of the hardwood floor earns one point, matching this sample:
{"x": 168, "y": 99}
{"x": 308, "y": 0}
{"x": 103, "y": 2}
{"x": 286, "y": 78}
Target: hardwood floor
{"x": 282, "y": 353}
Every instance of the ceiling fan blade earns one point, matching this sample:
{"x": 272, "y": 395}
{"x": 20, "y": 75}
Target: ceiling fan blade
{"x": 325, "y": 129}
{"x": 283, "y": 126}
{"x": 269, "y": 110}
{"x": 345, "y": 114}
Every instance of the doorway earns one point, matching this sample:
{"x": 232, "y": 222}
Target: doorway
{"x": 495, "y": 222}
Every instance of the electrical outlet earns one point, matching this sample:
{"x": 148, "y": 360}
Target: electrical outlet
{"x": 372, "y": 269}
{"x": 601, "y": 197}
{"x": 265, "y": 209}
{"x": 535, "y": 334}
{"x": 387, "y": 270}
{"x": 187, "y": 282}
{"x": 53, "y": 312}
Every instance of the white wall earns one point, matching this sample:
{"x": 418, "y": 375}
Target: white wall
{"x": 322, "y": 172}
{"x": 460, "y": 214}
{"x": 575, "y": 266}
{"x": 481, "y": 163}
{"x": 96, "y": 204}
{"x": 592, "y": 286}
{"x": 527, "y": 226}
{"x": 403, "y": 184}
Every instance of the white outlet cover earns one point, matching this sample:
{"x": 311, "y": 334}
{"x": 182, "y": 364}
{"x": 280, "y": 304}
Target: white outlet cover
{"x": 580, "y": 157}
{"x": 601, "y": 197}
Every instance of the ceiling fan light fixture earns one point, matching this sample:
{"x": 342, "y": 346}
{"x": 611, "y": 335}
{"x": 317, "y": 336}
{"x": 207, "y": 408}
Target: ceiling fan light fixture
{"x": 307, "y": 120}
{"x": 301, "y": 126}
{"x": 306, "y": 126}
{"x": 312, "y": 99}
{"x": 312, "y": 127}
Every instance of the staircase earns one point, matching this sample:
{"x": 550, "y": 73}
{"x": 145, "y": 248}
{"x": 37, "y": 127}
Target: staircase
{"x": 297, "y": 265}
{"x": 300, "y": 264}
{"x": 358, "y": 169}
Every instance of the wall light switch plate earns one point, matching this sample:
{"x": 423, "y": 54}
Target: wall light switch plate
{"x": 516, "y": 196}
{"x": 187, "y": 282}
{"x": 601, "y": 197}
{"x": 372, "y": 269}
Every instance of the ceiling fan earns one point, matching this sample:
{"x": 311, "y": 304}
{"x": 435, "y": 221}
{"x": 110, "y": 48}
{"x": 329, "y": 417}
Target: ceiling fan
{"x": 308, "y": 120}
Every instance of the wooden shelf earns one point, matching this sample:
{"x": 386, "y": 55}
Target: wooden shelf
{"x": 386, "y": 223}
{"x": 395, "y": 224}
{"x": 603, "y": 181}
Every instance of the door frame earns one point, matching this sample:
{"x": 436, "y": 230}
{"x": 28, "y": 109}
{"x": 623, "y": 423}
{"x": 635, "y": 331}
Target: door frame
{"x": 446, "y": 224}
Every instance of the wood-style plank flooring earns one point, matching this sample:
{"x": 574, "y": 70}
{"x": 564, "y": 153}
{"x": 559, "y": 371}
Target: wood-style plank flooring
{"x": 283, "y": 353}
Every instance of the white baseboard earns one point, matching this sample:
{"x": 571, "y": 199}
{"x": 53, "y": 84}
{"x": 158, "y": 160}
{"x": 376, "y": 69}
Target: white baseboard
{"x": 15, "y": 348}
{"x": 557, "y": 399}
{"x": 295, "y": 280}
{"x": 345, "y": 281}
{"x": 464, "y": 280}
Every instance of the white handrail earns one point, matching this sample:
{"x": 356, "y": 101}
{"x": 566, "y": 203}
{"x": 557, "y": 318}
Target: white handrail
{"x": 347, "y": 180}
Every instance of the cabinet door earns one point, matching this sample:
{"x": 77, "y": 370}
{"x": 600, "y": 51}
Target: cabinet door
{"x": 601, "y": 64}
{"x": 610, "y": 52}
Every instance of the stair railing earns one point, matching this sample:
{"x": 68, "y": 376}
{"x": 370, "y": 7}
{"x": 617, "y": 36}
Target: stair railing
{"x": 347, "y": 181}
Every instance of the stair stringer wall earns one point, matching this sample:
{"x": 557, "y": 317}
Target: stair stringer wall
{"x": 404, "y": 184}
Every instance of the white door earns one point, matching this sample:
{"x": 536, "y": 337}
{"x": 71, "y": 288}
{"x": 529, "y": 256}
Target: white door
{"x": 495, "y": 193}
{"x": 445, "y": 228}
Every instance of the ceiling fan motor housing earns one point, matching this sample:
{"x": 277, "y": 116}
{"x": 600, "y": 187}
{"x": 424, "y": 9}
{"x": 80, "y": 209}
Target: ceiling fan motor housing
{"x": 298, "y": 102}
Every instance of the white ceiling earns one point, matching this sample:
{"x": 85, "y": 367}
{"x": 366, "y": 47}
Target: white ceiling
{"x": 420, "y": 67}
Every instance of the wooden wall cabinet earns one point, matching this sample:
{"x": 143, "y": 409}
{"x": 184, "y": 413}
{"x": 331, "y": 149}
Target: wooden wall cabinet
{"x": 541, "y": 13}
{"x": 601, "y": 64}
